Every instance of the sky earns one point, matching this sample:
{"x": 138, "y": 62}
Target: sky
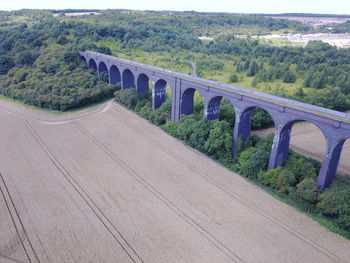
{"x": 233, "y": 6}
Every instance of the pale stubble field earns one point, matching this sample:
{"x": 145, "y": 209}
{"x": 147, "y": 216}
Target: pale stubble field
{"x": 104, "y": 185}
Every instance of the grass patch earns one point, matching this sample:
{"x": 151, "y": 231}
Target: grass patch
{"x": 37, "y": 108}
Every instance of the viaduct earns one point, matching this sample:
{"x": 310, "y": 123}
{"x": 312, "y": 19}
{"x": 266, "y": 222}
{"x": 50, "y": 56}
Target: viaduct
{"x": 334, "y": 125}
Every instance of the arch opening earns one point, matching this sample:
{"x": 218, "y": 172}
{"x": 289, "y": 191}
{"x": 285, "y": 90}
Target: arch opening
{"x": 103, "y": 72}
{"x": 114, "y": 74}
{"x": 252, "y": 118}
{"x": 221, "y": 108}
{"x": 143, "y": 83}
{"x": 128, "y": 80}
{"x": 298, "y": 138}
{"x": 160, "y": 93}
{"x": 259, "y": 121}
{"x": 92, "y": 64}
{"x": 192, "y": 103}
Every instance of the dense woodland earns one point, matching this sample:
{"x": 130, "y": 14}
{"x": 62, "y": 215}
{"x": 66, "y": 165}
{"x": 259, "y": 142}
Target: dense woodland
{"x": 38, "y": 63}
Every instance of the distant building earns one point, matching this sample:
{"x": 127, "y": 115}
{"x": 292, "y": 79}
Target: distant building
{"x": 205, "y": 38}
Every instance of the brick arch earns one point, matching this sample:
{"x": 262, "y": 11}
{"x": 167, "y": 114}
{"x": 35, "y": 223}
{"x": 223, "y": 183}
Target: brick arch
{"x": 114, "y": 74}
{"x": 128, "y": 79}
{"x": 142, "y": 84}
{"x": 159, "y": 95}
{"x": 102, "y": 69}
{"x": 92, "y": 64}
{"x": 187, "y": 100}
{"x": 212, "y": 107}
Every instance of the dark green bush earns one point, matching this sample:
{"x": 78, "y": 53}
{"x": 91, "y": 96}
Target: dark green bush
{"x": 329, "y": 203}
{"x": 308, "y": 190}
{"x": 6, "y": 63}
{"x": 270, "y": 177}
{"x": 256, "y": 162}
{"x": 285, "y": 182}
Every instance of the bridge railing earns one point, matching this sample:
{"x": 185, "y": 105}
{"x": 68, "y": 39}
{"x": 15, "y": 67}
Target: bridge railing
{"x": 247, "y": 92}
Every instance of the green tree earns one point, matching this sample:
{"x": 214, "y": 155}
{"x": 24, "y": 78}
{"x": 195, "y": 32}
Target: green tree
{"x": 219, "y": 142}
{"x": 6, "y": 63}
{"x": 289, "y": 77}
{"x": 233, "y": 78}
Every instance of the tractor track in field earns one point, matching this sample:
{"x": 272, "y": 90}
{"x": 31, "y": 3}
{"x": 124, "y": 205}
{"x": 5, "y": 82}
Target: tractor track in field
{"x": 213, "y": 240}
{"x": 116, "y": 234}
{"x": 233, "y": 195}
{"x": 18, "y": 225}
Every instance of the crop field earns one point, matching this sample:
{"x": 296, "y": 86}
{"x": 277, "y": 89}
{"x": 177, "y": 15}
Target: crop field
{"x": 104, "y": 185}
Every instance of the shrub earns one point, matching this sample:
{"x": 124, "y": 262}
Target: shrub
{"x": 128, "y": 97}
{"x": 300, "y": 167}
{"x": 285, "y": 182}
{"x": 264, "y": 144}
{"x": 243, "y": 158}
{"x": 145, "y": 110}
{"x": 171, "y": 127}
{"x": 6, "y": 63}
{"x": 219, "y": 141}
{"x": 185, "y": 128}
{"x": 289, "y": 77}
{"x": 256, "y": 162}
{"x": 261, "y": 119}
{"x": 233, "y": 78}
{"x": 162, "y": 114}
{"x": 201, "y": 131}
{"x": 25, "y": 57}
{"x": 328, "y": 203}
{"x": 270, "y": 177}
{"x": 308, "y": 190}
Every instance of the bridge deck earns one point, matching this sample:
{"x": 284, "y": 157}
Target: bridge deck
{"x": 332, "y": 114}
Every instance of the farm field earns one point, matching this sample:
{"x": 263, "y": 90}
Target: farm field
{"x": 104, "y": 185}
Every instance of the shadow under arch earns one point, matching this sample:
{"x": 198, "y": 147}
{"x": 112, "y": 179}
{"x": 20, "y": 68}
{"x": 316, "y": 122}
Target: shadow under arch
{"x": 220, "y": 107}
{"x": 191, "y": 102}
{"x": 142, "y": 84}
{"x": 159, "y": 93}
{"x": 102, "y": 67}
{"x": 114, "y": 75}
{"x": 92, "y": 64}
{"x": 128, "y": 79}
{"x": 246, "y": 119}
{"x": 103, "y": 71}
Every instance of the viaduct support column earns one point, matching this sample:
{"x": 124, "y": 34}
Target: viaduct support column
{"x": 330, "y": 162}
{"x": 176, "y": 101}
{"x": 242, "y": 129}
{"x": 280, "y": 146}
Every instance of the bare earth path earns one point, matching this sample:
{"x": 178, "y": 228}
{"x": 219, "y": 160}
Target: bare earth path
{"x": 104, "y": 185}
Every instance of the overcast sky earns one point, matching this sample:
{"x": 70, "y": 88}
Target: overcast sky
{"x": 234, "y": 6}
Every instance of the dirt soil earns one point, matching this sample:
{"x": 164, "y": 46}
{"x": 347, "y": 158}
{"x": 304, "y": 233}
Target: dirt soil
{"x": 104, "y": 185}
